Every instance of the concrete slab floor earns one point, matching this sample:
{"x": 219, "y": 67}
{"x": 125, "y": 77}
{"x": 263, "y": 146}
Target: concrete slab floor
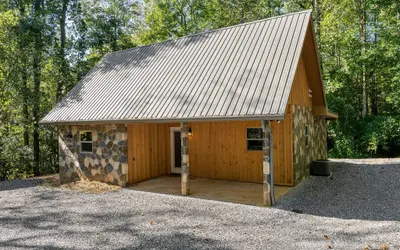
{"x": 221, "y": 190}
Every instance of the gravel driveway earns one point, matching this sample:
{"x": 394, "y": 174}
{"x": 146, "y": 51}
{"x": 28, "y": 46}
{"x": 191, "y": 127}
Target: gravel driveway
{"x": 358, "y": 207}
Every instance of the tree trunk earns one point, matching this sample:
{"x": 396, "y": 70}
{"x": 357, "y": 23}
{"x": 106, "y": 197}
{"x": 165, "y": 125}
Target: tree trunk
{"x": 317, "y": 25}
{"x": 25, "y": 110}
{"x": 373, "y": 87}
{"x": 363, "y": 50}
{"x": 36, "y": 81}
{"x": 63, "y": 62}
{"x": 24, "y": 77}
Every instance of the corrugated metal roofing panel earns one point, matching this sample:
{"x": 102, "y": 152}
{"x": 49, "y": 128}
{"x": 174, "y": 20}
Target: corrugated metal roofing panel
{"x": 244, "y": 71}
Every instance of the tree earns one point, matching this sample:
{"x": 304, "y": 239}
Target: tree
{"x": 110, "y": 24}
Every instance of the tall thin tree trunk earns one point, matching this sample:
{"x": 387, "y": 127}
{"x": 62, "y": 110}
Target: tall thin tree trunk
{"x": 63, "y": 62}
{"x": 317, "y": 22}
{"x": 374, "y": 88}
{"x": 25, "y": 103}
{"x": 36, "y": 81}
{"x": 24, "y": 77}
{"x": 363, "y": 50}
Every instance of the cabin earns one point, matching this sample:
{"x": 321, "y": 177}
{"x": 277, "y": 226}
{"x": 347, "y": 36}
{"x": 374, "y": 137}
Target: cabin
{"x": 243, "y": 103}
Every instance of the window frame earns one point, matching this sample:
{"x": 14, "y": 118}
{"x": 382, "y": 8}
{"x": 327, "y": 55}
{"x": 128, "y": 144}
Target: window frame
{"x": 80, "y": 141}
{"x": 252, "y": 139}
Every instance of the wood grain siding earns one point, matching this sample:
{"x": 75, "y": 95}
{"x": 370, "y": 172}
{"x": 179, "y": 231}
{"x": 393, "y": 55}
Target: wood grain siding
{"x": 299, "y": 94}
{"x": 217, "y": 150}
{"x": 148, "y": 150}
{"x": 312, "y": 68}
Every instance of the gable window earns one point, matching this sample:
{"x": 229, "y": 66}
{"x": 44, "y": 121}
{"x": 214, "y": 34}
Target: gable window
{"x": 86, "y": 142}
{"x": 254, "y": 139}
{"x": 307, "y": 137}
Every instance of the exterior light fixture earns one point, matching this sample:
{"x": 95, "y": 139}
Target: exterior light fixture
{"x": 190, "y": 131}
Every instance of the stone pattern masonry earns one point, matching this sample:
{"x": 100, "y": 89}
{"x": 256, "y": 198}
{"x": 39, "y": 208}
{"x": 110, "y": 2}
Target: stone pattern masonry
{"x": 108, "y": 161}
{"x": 316, "y": 150}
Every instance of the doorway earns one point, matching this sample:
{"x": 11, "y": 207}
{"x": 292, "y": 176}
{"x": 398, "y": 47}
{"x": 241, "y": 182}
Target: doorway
{"x": 176, "y": 157}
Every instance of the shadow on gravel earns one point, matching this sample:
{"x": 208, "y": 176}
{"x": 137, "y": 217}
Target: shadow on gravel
{"x": 17, "y": 184}
{"x": 50, "y": 217}
{"x": 356, "y": 190}
{"x": 177, "y": 241}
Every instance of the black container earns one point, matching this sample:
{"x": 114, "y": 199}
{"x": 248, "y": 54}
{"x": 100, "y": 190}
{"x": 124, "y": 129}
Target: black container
{"x": 320, "y": 168}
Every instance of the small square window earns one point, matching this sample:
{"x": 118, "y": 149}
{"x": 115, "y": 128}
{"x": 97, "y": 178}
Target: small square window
{"x": 254, "y": 139}
{"x": 86, "y": 142}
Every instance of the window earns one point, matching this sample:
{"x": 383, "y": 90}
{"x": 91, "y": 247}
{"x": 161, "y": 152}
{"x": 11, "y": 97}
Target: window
{"x": 254, "y": 139}
{"x": 307, "y": 137}
{"x": 86, "y": 142}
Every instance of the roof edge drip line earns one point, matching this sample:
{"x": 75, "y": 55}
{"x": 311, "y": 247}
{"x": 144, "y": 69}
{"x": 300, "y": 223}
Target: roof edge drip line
{"x": 165, "y": 120}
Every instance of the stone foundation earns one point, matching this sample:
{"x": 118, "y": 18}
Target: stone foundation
{"x": 317, "y": 149}
{"x": 108, "y": 161}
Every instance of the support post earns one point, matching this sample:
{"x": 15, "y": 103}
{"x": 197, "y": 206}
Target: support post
{"x": 268, "y": 180}
{"x": 185, "y": 159}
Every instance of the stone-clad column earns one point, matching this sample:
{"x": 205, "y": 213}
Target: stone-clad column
{"x": 185, "y": 159}
{"x": 266, "y": 164}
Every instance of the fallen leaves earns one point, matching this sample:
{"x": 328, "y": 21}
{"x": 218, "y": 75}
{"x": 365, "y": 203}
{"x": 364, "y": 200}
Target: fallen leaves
{"x": 91, "y": 187}
{"x": 330, "y": 246}
{"x": 382, "y": 247}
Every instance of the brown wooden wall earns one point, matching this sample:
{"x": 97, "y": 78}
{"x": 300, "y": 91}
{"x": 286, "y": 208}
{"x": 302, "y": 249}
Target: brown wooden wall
{"x": 217, "y": 150}
{"x": 299, "y": 94}
{"x": 149, "y": 145}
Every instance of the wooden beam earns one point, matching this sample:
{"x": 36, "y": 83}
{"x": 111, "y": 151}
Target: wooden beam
{"x": 185, "y": 159}
{"x": 323, "y": 112}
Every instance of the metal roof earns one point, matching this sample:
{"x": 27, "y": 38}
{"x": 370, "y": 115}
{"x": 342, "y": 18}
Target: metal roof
{"x": 239, "y": 72}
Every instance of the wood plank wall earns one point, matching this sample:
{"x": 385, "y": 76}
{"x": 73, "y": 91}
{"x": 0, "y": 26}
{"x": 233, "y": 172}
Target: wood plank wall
{"x": 299, "y": 94}
{"x": 149, "y": 145}
{"x": 217, "y": 150}
{"x": 311, "y": 69}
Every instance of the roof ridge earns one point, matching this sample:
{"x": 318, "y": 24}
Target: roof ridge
{"x": 213, "y": 30}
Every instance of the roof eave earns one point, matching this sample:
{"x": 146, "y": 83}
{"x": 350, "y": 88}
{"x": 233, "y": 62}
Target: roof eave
{"x": 166, "y": 120}
{"x": 322, "y": 111}
{"x": 318, "y": 60}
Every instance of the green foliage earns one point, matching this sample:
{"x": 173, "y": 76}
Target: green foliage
{"x": 47, "y": 46}
{"x": 381, "y": 136}
{"x": 15, "y": 158}
{"x": 374, "y": 136}
{"x": 110, "y": 24}
{"x": 170, "y": 19}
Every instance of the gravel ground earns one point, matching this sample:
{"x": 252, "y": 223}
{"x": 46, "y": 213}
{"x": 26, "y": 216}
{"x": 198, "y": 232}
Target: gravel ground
{"x": 357, "y": 207}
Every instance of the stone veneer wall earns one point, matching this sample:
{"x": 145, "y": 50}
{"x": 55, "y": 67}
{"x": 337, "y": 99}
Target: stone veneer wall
{"x": 107, "y": 162}
{"x": 317, "y": 148}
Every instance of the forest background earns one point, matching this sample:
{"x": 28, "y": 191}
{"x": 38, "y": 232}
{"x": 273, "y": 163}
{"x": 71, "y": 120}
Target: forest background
{"x": 47, "y": 46}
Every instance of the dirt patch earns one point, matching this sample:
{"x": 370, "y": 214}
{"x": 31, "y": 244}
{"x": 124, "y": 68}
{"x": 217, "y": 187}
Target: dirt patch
{"x": 51, "y": 180}
{"x": 91, "y": 187}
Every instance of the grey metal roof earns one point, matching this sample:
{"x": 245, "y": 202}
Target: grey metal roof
{"x": 240, "y": 72}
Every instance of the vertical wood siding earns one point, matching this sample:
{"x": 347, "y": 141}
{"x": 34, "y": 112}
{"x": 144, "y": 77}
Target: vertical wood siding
{"x": 149, "y": 145}
{"x": 299, "y": 94}
{"x": 217, "y": 150}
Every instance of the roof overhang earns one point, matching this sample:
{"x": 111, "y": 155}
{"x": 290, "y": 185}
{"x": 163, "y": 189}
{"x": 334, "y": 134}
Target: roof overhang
{"x": 166, "y": 120}
{"x": 322, "y": 111}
